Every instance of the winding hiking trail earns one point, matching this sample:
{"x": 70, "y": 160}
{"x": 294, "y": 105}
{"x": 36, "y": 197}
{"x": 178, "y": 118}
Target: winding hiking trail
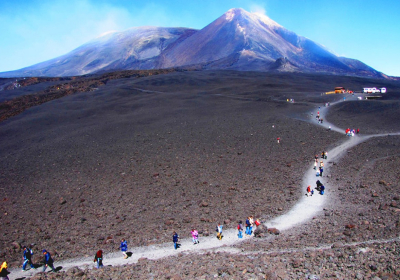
{"x": 304, "y": 210}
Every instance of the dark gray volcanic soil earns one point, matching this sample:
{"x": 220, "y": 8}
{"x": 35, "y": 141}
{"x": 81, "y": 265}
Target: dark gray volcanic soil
{"x": 10, "y": 94}
{"x": 367, "y": 116}
{"x": 141, "y": 158}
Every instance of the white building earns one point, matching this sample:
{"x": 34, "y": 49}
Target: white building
{"x": 374, "y": 90}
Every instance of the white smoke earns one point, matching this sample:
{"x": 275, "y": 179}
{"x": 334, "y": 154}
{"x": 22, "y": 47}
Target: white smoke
{"x": 258, "y": 9}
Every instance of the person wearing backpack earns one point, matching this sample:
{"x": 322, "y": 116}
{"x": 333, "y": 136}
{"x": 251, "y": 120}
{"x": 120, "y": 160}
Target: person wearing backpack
{"x": 99, "y": 258}
{"x": 27, "y": 257}
{"x": 48, "y": 261}
{"x": 240, "y": 229}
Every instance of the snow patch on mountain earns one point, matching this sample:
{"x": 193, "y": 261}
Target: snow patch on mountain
{"x": 263, "y": 18}
{"x": 250, "y": 53}
{"x": 240, "y": 29}
{"x": 229, "y": 15}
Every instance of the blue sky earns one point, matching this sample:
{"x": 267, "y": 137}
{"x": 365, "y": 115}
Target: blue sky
{"x": 32, "y": 31}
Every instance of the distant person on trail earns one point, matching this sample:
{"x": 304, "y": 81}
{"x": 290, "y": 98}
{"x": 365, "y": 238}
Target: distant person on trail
{"x": 175, "y": 238}
{"x": 3, "y": 271}
{"x": 321, "y": 167}
{"x": 219, "y": 231}
{"x": 319, "y": 184}
{"x": 27, "y": 257}
{"x": 257, "y": 223}
{"x": 240, "y": 229}
{"x": 308, "y": 191}
{"x": 358, "y": 130}
{"x": 322, "y": 190}
{"x": 48, "y": 261}
{"x": 124, "y": 248}
{"x": 99, "y": 258}
{"x": 195, "y": 236}
{"x": 251, "y": 220}
{"x": 326, "y": 155}
{"x": 247, "y": 232}
{"x": 278, "y": 140}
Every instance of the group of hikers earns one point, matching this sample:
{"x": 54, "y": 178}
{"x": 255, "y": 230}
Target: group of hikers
{"x": 27, "y": 259}
{"x": 98, "y": 258}
{"x": 320, "y": 188}
{"x": 319, "y": 169}
{"x": 317, "y": 161}
{"x": 352, "y": 132}
{"x": 250, "y": 223}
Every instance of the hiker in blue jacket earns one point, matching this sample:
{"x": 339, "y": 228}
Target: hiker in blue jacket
{"x": 27, "y": 258}
{"x": 322, "y": 190}
{"x": 124, "y": 248}
{"x": 48, "y": 261}
{"x": 248, "y": 225}
{"x": 175, "y": 239}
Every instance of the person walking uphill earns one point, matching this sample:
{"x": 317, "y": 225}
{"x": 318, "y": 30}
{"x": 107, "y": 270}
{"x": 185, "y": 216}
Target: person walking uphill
{"x": 48, "y": 261}
{"x": 251, "y": 220}
{"x": 308, "y": 191}
{"x": 240, "y": 229}
{"x": 195, "y": 236}
{"x": 4, "y": 272}
{"x": 99, "y": 258}
{"x": 27, "y": 257}
{"x": 247, "y": 226}
{"x": 321, "y": 168}
{"x": 175, "y": 239}
{"x": 219, "y": 231}
{"x": 124, "y": 248}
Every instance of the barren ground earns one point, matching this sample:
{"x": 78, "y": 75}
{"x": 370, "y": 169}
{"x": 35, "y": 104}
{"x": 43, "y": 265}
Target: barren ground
{"x": 140, "y": 158}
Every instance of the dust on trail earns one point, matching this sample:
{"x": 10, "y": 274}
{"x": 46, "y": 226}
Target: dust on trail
{"x": 304, "y": 210}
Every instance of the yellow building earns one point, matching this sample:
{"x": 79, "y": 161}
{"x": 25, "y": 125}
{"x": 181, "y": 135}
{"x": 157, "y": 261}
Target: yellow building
{"x": 339, "y": 90}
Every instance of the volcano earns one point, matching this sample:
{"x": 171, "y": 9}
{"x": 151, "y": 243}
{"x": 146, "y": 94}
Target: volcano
{"x": 238, "y": 40}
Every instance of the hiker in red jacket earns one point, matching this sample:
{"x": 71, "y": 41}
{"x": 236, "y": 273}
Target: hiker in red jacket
{"x": 99, "y": 258}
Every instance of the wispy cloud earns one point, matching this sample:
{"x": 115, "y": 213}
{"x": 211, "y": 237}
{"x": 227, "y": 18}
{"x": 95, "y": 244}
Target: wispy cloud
{"x": 258, "y": 8}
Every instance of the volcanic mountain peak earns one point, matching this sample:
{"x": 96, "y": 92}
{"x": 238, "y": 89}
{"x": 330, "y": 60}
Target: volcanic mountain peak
{"x": 255, "y": 18}
{"x": 237, "y": 40}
